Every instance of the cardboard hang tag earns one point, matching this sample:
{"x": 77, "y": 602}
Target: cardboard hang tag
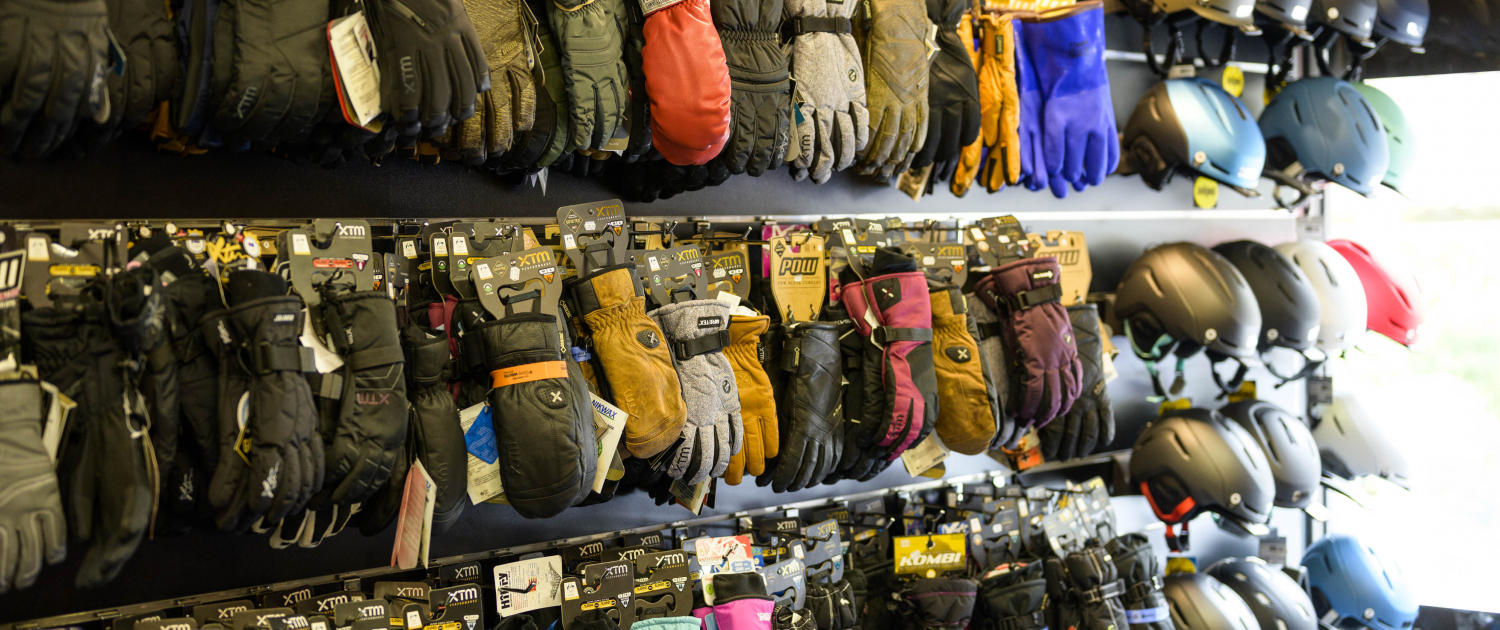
{"x": 1071, "y": 250}
{"x": 529, "y": 276}
{"x": 604, "y": 586}
{"x": 594, "y": 234}
{"x": 798, "y": 282}
{"x": 1065, "y": 532}
{"x": 1000, "y": 240}
{"x": 724, "y": 554}
{"x": 327, "y": 251}
{"x": 825, "y": 557}
{"x": 786, "y": 581}
{"x": 929, "y": 555}
{"x": 456, "y": 608}
{"x": 668, "y": 274}
{"x": 471, "y": 243}
{"x": 59, "y": 271}
{"x": 528, "y": 585}
{"x": 662, "y": 585}
{"x": 371, "y": 614}
{"x": 248, "y": 619}
{"x": 728, "y": 272}
{"x": 947, "y": 263}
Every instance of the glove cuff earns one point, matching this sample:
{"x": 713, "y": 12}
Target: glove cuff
{"x": 1026, "y": 283}
{"x": 605, "y": 287}
{"x": 729, "y": 587}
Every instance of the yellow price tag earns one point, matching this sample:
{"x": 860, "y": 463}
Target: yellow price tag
{"x": 1205, "y": 193}
{"x": 1181, "y": 564}
{"x": 1245, "y": 392}
{"x": 1233, "y": 81}
{"x": 1177, "y": 404}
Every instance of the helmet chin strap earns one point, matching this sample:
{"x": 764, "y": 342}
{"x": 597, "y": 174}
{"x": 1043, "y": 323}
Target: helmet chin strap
{"x": 1151, "y": 357}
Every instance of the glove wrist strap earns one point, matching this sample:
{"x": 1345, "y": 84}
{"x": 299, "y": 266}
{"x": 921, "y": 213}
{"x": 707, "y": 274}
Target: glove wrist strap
{"x": 810, "y": 24}
{"x": 684, "y": 349}
{"x": 1101, "y": 592}
{"x": 886, "y": 334}
{"x": 1023, "y": 300}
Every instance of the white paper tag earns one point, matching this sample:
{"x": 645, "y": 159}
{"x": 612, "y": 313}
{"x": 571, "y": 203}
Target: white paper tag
{"x": 460, "y": 245}
{"x": 409, "y": 249}
{"x": 728, "y": 298}
{"x": 613, "y": 421}
{"x": 440, "y": 246}
{"x": 926, "y": 454}
{"x": 651, "y": 262}
{"x": 36, "y": 248}
{"x": 484, "y": 462}
{"x": 542, "y": 575}
{"x": 325, "y": 360}
{"x": 482, "y": 271}
{"x": 300, "y": 246}
{"x": 58, "y": 411}
{"x": 358, "y": 69}
{"x": 414, "y": 524}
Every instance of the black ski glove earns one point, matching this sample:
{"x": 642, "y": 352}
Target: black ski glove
{"x": 372, "y": 418}
{"x": 1089, "y": 424}
{"x": 1013, "y": 599}
{"x": 1145, "y": 605}
{"x": 813, "y": 439}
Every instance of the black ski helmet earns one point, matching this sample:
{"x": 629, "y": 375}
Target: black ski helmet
{"x": 1194, "y": 126}
{"x": 1289, "y": 312}
{"x": 1288, "y": 445}
{"x": 1353, "y": 18}
{"x": 1200, "y": 602}
{"x": 1192, "y": 461}
{"x": 1182, "y": 297}
{"x": 1278, "y": 602}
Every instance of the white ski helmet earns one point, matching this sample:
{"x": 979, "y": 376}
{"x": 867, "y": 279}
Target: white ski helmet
{"x": 1353, "y": 444}
{"x": 1341, "y": 296}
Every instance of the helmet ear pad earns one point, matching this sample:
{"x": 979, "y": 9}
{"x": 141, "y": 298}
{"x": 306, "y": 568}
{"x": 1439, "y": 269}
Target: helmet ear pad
{"x": 1149, "y": 164}
{"x": 1279, "y": 153}
{"x": 1145, "y": 328}
{"x": 1320, "y": 602}
{"x": 1166, "y": 493}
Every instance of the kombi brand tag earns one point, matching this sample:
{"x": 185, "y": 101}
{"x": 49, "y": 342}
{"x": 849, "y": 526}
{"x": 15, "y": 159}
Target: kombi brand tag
{"x": 930, "y": 555}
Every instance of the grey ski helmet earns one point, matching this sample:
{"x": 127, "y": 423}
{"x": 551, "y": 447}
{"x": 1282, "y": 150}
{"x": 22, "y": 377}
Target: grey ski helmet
{"x": 1182, "y": 298}
{"x": 1289, "y": 312}
{"x": 1402, "y": 21}
{"x": 1353, "y": 18}
{"x": 1288, "y": 445}
{"x": 1194, "y": 125}
{"x": 1237, "y": 13}
{"x": 1288, "y": 14}
{"x": 1327, "y": 127}
{"x": 1277, "y": 601}
{"x": 1200, "y": 602}
{"x": 1194, "y": 460}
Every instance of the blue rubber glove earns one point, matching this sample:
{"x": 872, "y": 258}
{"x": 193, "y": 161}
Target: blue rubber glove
{"x": 1080, "y": 142}
{"x": 1033, "y": 167}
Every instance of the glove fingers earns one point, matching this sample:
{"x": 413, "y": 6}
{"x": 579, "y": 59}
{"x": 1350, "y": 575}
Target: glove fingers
{"x": 1088, "y": 428}
{"x": 884, "y": 140}
{"x": 829, "y": 139}
{"x": 788, "y": 466}
{"x": 752, "y": 453}
{"x": 806, "y": 471}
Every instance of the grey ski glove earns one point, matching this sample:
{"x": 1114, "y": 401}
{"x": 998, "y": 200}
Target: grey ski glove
{"x": 832, "y": 122}
{"x": 697, "y": 332}
{"x": 31, "y": 516}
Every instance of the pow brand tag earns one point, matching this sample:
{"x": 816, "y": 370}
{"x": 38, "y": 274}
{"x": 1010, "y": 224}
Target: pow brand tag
{"x": 648, "y": 338}
{"x": 959, "y": 354}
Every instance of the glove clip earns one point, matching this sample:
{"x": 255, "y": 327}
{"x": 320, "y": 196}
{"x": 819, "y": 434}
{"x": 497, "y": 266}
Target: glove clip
{"x": 1102, "y": 592}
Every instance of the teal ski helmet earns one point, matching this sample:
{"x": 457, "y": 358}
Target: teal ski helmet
{"x": 1194, "y": 125}
{"x": 1327, "y": 127}
{"x": 1352, "y": 588}
{"x": 1398, "y": 136}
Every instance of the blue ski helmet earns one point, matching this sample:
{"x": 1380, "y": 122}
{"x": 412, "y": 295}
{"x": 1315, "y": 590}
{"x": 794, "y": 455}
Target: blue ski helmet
{"x": 1193, "y": 124}
{"x": 1325, "y": 124}
{"x": 1353, "y": 589}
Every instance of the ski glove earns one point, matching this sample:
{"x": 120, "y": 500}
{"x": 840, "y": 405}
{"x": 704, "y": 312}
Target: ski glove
{"x": 757, "y": 401}
{"x": 1141, "y": 576}
{"x": 903, "y": 330}
{"x": 637, "y": 363}
{"x": 687, "y": 79}
{"x": 865, "y": 425}
{"x": 1045, "y": 372}
{"x": 437, "y": 438}
{"x": 832, "y": 605}
{"x": 435, "y": 64}
{"x": 1032, "y": 164}
{"x": 1085, "y": 590}
{"x": 939, "y": 603}
{"x": 760, "y": 90}
{"x": 544, "y": 419}
{"x": 1000, "y": 104}
{"x": 31, "y": 515}
{"x": 741, "y": 602}
{"x": 969, "y": 156}
{"x": 589, "y": 38}
{"x": 810, "y": 409}
{"x": 696, "y": 333}
{"x": 1089, "y": 424}
{"x": 967, "y": 412}
{"x": 278, "y": 465}
{"x": 146, "y": 32}
{"x": 784, "y": 618}
{"x": 894, "y": 46}
{"x": 373, "y": 408}
{"x": 992, "y": 352}
{"x": 1011, "y": 598}
{"x": 272, "y": 77}
{"x": 1080, "y": 142}
{"x": 832, "y": 123}
{"x": 54, "y": 55}
{"x": 952, "y": 93}
{"x": 509, "y": 107}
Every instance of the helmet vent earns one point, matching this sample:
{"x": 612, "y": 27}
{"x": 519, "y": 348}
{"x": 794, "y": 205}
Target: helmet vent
{"x": 1270, "y": 445}
{"x": 1328, "y": 273}
{"x": 1297, "y": 112}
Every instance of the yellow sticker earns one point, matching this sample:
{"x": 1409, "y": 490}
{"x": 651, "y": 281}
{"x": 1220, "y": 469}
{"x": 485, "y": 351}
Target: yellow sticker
{"x": 1181, "y": 564}
{"x": 931, "y": 553}
{"x": 1205, "y": 192}
{"x": 1233, "y": 81}
{"x": 73, "y": 271}
{"x": 1271, "y": 91}
{"x": 1180, "y": 403}
{"x": 1245, "y": 392}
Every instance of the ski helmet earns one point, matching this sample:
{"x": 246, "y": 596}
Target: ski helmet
{"x": 1402, "y": 21}
{"x": 1200, "y": 602}
{"x": 1353, "y": 588}
{"x": 1327, "y": 127}
{"x": 1353, "y": 444}
{"x": 1277, "y": 601}
{"x": 1288, "y": 446}
{"x": 1289, "y": 311}
{"x": 1288, "y": 14}
{"x": 1193, "y": 460}
{"x": 1183, "y": 295}
{"x": 1353, "y": 18}
{"x": 1393, "y": 296}
{"x": 1398, "y": 135}
{"x": 1193, "y": 124}
{"x": 1341, "y": 297}
{"x": 1237, "y": 13}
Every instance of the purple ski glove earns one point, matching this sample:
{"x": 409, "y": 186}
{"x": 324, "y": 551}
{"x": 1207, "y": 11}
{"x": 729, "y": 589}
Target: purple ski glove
{"x": 1045, "y": 374}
